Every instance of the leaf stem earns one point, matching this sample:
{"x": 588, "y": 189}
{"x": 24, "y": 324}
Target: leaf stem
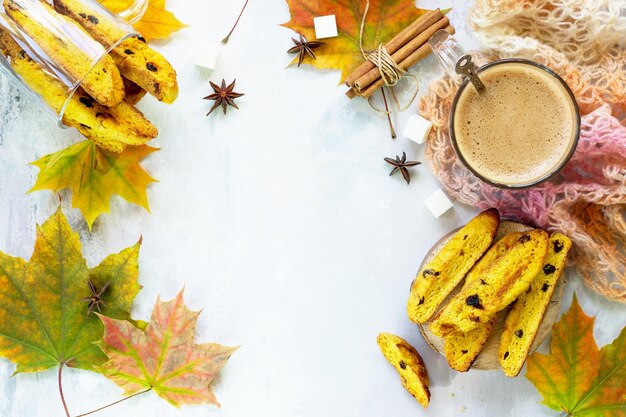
{"x": 113, "y": 403}
{"x": 60, "y": 381}
{"x": 393, "y": 132}
{"x": 225, "y": 40}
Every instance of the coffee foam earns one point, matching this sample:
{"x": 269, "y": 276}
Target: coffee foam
{"x": 520, "y": 128}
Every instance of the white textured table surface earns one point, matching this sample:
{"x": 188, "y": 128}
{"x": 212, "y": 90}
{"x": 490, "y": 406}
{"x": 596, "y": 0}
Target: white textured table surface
{"x": 282, "y": 224}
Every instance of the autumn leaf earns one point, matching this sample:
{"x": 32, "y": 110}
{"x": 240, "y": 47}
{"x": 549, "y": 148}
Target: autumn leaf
{"x": 94, "y": 175}
{"x": 164, "y": 357}
{"x": 576, "y": 377}
{"x": 43, "y": 322}
{"x": 156, "y": 23}
{"x": 385, "y": 19}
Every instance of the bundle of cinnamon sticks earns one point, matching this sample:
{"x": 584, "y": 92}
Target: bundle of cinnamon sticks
{"x": 406, "y": 48}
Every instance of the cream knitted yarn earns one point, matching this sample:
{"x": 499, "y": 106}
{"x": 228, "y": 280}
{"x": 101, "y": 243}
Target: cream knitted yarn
{"x": 584, "y": 41}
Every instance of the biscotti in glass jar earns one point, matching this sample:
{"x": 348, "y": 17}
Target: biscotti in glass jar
{"x": 85, "y": 66}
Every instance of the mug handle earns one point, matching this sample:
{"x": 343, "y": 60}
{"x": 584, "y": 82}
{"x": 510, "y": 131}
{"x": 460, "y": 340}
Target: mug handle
{"x": 447, "y": 50}
{"x": 453, "y": 58}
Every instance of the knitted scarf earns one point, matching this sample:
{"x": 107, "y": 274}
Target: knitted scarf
{"x": 585, "y": 43}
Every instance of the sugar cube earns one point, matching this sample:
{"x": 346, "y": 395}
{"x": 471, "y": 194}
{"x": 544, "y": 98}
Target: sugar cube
{"x": 438, "y": 203}
{"x": 417, "y": 128}
{"x": 325, "y": 26}
{"x": 206, "y": 56}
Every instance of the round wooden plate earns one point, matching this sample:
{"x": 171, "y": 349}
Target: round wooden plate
{"x": 488, "y": 357}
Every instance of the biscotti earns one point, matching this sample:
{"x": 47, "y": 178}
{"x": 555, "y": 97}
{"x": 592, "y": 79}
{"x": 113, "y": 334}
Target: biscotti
{"x": 110, "y": 128}
{"x": 102, "y": 81}
{"x": 409, "y": 365}
{"x": 134, "y": 58}
{"x": 522, "y": 322}
{"x": 462, "y": 349}
{"x": 509, "y": 276}
{"x": 446, "y": 270}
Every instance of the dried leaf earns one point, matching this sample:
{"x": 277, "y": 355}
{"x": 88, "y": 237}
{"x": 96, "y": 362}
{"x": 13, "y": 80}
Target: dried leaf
{"x": 94, "y": 175}
{"x": 156, "y": 23}
{"x": 43, "y": 322}
{"x": 576, "y": 377}
{"x": 384, "y": 20}
{"x": 164, "y": 357}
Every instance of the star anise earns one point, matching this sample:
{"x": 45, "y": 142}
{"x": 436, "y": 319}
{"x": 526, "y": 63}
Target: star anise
{"x": 401, "y": 164}
{"x": 224, "y": 96}
{"x": 95, "y": 301}
{"x": 304, "y": 48}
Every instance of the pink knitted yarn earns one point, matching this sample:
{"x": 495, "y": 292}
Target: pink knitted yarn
{"x": 586, "y": 201}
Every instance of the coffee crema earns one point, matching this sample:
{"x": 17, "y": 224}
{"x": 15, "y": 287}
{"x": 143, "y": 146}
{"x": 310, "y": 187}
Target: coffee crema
{"x": 520, "y": 128}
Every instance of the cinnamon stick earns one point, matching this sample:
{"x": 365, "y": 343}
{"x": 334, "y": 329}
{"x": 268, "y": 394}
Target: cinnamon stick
{"x": 419, "y": 54}
{"x": 419, "y": 25}
{"x": 403, "y": 53}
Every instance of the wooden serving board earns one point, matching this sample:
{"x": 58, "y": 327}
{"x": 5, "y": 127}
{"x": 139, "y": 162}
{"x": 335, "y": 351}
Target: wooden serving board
{"x": 488, "y": 357}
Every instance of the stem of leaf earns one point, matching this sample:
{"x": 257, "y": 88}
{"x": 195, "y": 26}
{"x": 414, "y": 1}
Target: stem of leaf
{"x": 225, "y": 40}
{"x": 393, "y": 132}
{"x": 113, "y": 403}
{"x": 60, "y": 380}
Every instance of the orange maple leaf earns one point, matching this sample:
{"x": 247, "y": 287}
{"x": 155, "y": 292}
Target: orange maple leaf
{"x": 163, "y": 358}
{"x": 385, "y": 19}
{"x": 576, "y": 377}
{"x": 156, "y": 23}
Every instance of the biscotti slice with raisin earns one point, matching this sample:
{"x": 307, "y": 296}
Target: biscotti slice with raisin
{"x": 409, "y": 365}
{"x": 462, "y": 349}
{"x": 134, "y": 58}
{"x": 110, "y": 128}
{"x": 480, "y": 300}
{"x": 448, "y": 268}
{"x": 522, "y": 322}
{"x": 102, "y": 81}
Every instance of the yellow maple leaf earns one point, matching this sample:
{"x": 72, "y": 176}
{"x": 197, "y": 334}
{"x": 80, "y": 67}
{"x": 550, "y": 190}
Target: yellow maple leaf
{"x": 94, "y": 175}
{"x": 156, "y": 23}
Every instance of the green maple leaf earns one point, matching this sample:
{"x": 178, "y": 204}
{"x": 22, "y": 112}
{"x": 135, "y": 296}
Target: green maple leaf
{"x": 576, "y": 377}
{"x": 43, "y": 322}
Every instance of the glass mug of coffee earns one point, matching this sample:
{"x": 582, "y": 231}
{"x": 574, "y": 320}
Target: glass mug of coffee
{"x": 514, "y": 123}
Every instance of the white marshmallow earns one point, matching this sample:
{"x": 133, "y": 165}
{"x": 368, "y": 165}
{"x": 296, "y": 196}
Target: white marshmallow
{"x": 417, "y": 129}
{"x": 325, "y": 26}
{"x": 207, "y": 56}
{"x": 438, "y": 203}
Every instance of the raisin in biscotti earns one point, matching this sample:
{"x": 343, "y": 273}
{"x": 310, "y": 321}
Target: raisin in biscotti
{"x": 481, "y": 300}
{"x": 134, "y": 58}
{"x": 462, "y": 349}
{"x": 409, "y": 365}
{"x": 110, "y": 128}
{"x": 102, "y": 82}
{"x": 444, "y": 272}
{"x": 134, "y": 93}
{"x": 522, "y": 322}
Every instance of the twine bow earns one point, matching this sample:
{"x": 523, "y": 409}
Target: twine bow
{"x": 390, "y": 71}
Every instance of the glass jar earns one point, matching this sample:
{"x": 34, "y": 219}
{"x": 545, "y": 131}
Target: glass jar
{"x": 47, "y": 23}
